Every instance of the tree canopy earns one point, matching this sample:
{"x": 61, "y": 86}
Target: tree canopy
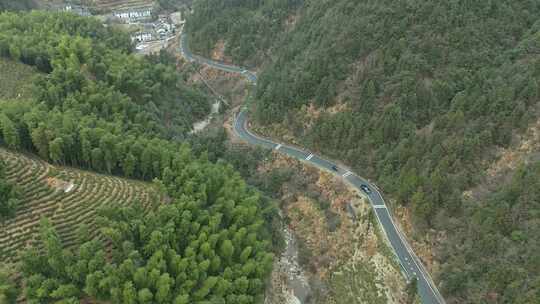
{"x": 211, "y": 244}
{"x": 417, "y": 95}
{"x": 499, "y": 245}
{"x": 98, "y": 106}
{"x": 95, "y": 105}
{"x": 8, "y": 290}
{"x": 248, "y": 27}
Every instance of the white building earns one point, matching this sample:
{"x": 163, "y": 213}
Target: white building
{"x": 133, "y": 15}
{"x": 76, "y": 9}
{"x": 142, "y": 37}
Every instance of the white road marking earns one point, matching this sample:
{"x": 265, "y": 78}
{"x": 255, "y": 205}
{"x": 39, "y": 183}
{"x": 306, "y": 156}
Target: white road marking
{"x": 279, "y": 146}
{"x": 309, "y": 157}
{"x": 348, "y": 173}
{"x": 379, "y": 206}
{"x": 423, "y": 272}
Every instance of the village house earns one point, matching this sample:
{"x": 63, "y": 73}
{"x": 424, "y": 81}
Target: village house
{"x": 76, "y": 9}
{"x": 142, "y": 37}
{"x": 134, "y": 15}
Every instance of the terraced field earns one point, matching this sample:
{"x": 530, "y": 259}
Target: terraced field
{"x": 67, "y": 196}
{"x": 115, "y": 5}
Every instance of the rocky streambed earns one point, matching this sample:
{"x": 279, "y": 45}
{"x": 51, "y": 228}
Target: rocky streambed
{"x": 289, "y": 281}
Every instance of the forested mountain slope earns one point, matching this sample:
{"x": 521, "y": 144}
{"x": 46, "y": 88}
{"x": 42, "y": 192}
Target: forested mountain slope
{"x": 206, "y": 238}
{"x": 418, "y": 95}
{"x": 95, "y": 99}
{"x": 248, "y": 27}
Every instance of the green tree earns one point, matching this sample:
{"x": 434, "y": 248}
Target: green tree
{"x": 129, "y": 165}
{"x": 163, "y": 294}
{"x": 8, "y": 289}
{"x": 181, "y": 299}
{"x": 145, "y": 296}
{"x": 97, "y": 159}
{"x": 129, "y": 294}
{"x": 227, "y": 250}
{"x": 41, "y": 141}
{"x": 9, "y": 132}
{"x": 107, "y": 146}
{"x": 422, "y": 207}
{"x": 56, "y": 150}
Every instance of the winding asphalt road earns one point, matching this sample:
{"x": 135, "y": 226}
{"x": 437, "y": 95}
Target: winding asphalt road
{"x": 411, "y": 265}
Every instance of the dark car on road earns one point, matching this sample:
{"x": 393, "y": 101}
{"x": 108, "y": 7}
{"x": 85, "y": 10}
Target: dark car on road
{"x": 334, "y": 168}
{"x": 366, "y": 189}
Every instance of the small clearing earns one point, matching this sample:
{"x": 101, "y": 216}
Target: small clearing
{"x": 15, "y": 80}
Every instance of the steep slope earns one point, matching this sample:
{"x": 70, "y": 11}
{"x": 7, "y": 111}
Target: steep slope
{"x": 418, "y": 95}
{"x": 249, "y": 28}
{"x": 94, "y": 99}
{"x": 492, "y": 254}
{"x": 98, "y": 106}
{"x": 67, "y": 196}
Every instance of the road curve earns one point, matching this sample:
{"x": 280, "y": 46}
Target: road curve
{"x": 411, "y": 265}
